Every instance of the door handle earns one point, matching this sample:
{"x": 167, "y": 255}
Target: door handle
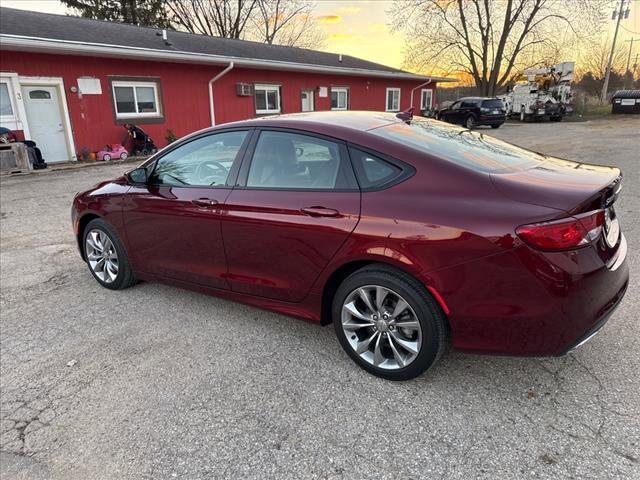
{"x": 320, "y": 212}
{"x": 205, "y": 202}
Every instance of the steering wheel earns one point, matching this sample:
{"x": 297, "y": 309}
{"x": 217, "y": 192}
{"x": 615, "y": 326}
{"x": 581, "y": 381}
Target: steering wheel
{"x": 210, "y": 170}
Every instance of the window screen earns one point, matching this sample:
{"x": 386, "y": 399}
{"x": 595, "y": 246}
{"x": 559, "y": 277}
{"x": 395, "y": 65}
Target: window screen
{"x": 5, "y": 101}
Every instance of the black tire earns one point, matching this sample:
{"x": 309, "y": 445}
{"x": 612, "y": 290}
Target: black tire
{"x": 432, "y": 320}
{"x": 124, "y": 278}
{"x": 470, "y": 122}
{"x": 556, "y": 119}
{"x": 496, "y": 126}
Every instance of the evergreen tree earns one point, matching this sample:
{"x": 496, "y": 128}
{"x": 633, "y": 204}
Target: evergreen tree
{"x": 149, "y": 13}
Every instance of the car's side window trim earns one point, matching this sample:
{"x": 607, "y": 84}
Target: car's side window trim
{"x": 406, "y": 171}
{"x": 346, "y": 167}
{"x": 235, "y": 167}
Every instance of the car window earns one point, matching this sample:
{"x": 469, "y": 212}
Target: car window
{"x": 468, "y": 104}
{"x": 493, "y": 103}
{"x": 371, "y": 170}
{"x": 455, "y": 106}
{"x": 203, "y": 162}
{"x": 289, "y": 160}
{"x": 457, "y": 145}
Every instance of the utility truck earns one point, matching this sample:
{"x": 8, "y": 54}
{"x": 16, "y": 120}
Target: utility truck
{"x": 546, "y": 94}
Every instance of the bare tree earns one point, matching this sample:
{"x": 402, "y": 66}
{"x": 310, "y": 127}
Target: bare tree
{"x": 596, "y": 58}
{"x": 491, "y": 41}
{"x": 287, "y": 22}
{"x": 282, "y": 22}
{"x": 221, "y": 18}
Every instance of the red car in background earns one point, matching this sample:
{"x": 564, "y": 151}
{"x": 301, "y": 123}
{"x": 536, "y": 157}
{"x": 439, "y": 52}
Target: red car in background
{"x": 406, "y": 233}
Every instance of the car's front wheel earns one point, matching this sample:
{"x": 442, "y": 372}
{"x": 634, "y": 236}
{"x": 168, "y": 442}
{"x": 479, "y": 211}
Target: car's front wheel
{"x": 388, "y": 323}
{"x": 106, "y": 256}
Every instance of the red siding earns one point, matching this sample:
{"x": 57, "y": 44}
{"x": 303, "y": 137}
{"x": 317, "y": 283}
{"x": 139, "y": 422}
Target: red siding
{"x": 184, "y": 89}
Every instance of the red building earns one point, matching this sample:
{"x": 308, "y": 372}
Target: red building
{"x": 70, "y": 83}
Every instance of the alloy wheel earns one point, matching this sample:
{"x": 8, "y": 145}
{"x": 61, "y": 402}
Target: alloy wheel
{"x": 101, "y": 255}
{"x": 381, "y": 327}
{"x": 471, "y": 122}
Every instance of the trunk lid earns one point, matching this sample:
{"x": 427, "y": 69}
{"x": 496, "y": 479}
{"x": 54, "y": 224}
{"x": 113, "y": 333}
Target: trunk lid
{"x": 562, "y": 184}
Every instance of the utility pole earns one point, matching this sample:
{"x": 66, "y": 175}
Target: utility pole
{"x": 619, "y": 14}
{"x": 628, "y": 61}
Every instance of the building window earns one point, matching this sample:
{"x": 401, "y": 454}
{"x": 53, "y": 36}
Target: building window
{"x": 136, "y": 99}
{"x": 339, "y": 98}
{"x": 39, "y": 95}
{"x": 267, "y": 98}
{"x": 6, "y": 103}
{"x": 393, "y": 99}
{"x": 426, "y": 96}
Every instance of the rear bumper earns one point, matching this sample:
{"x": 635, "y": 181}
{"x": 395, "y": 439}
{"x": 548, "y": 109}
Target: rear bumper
{"x": 525, "y": 302}
{"x": 595, "y": 329}
{"x": 491, "y": 120}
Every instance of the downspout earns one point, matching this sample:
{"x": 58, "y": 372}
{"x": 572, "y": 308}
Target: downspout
{"x": 419, "y": 86}
{"x": 211, "y": 82}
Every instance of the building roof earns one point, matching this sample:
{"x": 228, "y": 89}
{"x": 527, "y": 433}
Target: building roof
{"x": 35, "y": 31}
{"x": 626, "y": 94}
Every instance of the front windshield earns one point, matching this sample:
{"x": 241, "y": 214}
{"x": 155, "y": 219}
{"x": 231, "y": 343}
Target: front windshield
{"x": 468, "y": 148}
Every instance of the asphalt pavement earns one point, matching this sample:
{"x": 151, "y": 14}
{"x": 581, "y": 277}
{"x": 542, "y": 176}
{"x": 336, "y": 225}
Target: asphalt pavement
{"x": 156, "y": 382}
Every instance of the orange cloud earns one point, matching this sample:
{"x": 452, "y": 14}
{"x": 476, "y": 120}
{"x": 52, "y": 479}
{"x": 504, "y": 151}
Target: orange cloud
{"x": 330, "y": 19}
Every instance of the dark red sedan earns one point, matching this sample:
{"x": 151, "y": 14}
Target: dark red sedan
{"x": 406, "y": 234}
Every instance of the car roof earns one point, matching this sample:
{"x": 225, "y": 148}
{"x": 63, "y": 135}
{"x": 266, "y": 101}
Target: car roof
{"x": 327, "y": 122}
{"x": 478, "y": 98}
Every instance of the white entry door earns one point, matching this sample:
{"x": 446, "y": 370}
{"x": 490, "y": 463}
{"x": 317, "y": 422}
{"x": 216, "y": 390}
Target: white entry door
{"x": 307, "y": 100}
{"x": 44, "y": 114}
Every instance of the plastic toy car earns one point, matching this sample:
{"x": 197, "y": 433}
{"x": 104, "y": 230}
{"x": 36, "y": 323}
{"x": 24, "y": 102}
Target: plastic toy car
{"x": 112, "y": 151}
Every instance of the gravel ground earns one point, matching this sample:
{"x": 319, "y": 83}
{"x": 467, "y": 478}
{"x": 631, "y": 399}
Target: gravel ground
{"x": 158, "y": 382}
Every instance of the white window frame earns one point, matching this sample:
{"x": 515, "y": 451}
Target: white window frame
{"x": 13, "y": 118}
{"x": 339, "y": 90}
{"x": 422, "y": 95}
{"x": 393, "y": 91}
{"x": 267, "y": 88}
{"x": 133, "y": 85}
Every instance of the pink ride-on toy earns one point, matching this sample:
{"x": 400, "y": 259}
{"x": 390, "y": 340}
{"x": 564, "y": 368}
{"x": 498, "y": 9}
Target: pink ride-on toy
{"x": 112, "y": 151}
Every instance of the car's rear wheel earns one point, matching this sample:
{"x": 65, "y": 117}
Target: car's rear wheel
{"x": 388, "y": 323}
{"x": 106, "y": 256}
{"x": 470, "y": 122}
{"x": 496, "y": 126}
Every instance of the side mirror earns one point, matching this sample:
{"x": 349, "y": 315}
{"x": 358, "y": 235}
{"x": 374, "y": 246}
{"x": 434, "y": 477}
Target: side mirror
{"x": 137, "y": 176}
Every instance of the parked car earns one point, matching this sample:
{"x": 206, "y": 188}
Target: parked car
{"x": 474, "y": 111}
{"x": 406, "y": 233}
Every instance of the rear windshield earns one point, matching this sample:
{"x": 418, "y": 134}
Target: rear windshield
{"x": 465, "y": 147}
{"x": 493, "y": 103}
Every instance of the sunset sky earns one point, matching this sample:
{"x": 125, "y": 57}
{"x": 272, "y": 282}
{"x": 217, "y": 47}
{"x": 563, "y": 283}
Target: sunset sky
{"x": 360, "y": 28}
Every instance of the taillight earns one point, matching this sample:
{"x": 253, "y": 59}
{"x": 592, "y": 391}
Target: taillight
{"x": 563, "y": 234}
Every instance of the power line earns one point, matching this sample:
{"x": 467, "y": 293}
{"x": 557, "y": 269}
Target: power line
{"x": 629, "y": 31}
